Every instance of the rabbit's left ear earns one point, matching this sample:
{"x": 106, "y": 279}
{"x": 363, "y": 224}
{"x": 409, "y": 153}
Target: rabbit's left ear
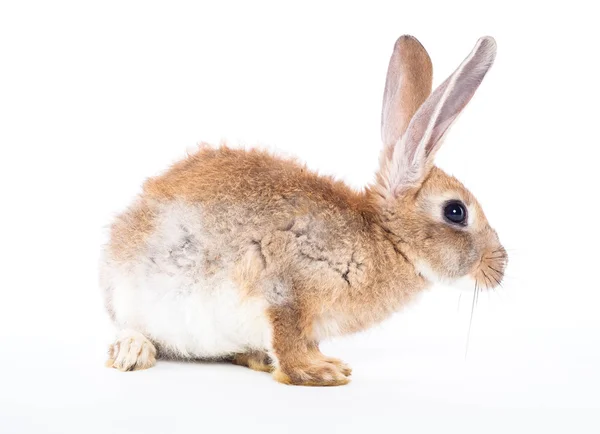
{"x": 407, "y": 86}
{"x": 413, "y": 155}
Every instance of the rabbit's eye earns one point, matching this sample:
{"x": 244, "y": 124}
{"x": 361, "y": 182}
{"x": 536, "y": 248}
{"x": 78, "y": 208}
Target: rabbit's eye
{"x": 456, "y": 212}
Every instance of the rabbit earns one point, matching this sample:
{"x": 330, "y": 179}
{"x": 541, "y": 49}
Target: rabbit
{"x": 242, "y": 256}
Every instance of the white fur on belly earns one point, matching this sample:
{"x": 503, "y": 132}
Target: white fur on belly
{"x": 170, "y": 297}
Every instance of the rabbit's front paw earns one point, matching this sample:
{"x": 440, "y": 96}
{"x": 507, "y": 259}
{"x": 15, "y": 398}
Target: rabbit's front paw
{"x": 343, "y": 367}
{"x": 321, "y": 373}
{"x": 131, "y": 351}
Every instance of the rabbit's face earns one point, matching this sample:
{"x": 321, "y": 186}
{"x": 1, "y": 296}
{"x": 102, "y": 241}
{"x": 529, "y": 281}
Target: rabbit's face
{"x": 449, "y": 234}
{"x": 437, "y": 219}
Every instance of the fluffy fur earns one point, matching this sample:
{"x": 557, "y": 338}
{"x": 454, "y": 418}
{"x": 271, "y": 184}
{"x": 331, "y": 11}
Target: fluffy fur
{"x": 244, "y": 256}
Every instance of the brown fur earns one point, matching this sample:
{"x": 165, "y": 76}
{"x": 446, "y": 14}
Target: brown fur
{"x": 130, "y": 229}
{"x": 329, "y": 260}
{"x": 282, "y": 209}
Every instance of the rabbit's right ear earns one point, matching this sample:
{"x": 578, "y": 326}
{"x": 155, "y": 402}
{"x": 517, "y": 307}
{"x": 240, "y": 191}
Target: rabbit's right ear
{"x": 407, "y": 86}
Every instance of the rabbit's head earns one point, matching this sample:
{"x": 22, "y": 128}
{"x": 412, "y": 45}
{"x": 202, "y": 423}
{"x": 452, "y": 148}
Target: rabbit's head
{"x": 429, "y": 213}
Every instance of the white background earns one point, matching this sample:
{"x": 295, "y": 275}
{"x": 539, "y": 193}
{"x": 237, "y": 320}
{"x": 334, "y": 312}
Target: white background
{"x": 95, "y": 97}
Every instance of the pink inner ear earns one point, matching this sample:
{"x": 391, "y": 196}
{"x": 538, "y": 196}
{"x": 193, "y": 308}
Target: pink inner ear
{"x": 438, "y": 132}
{"x": 442, "y": 108}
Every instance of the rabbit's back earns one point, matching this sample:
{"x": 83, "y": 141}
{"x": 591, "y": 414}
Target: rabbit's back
{"x": 255, "y": 180}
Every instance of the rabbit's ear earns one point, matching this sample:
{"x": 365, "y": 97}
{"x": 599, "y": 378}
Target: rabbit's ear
{"x": 413, "y": 154}
{"x": 407, "y": 85}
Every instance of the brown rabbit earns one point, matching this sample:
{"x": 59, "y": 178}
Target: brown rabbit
{"x": 244, "y": 256}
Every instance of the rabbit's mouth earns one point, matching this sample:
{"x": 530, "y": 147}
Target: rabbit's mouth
{"x": 490, "y": 271}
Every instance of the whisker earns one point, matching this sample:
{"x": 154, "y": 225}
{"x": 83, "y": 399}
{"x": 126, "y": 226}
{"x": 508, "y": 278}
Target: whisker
{"x": 497, "y": 281}
{"x": 471, "y": 321}
{"x": 504, "y": 249}
{"x": 487, "y": 279}
{"x": 495, "y": 257}
{"x": 492, "y": 268}
{"x": 501, "y": 276}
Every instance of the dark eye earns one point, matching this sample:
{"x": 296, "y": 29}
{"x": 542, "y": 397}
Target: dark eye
{"x": 455, "y": 212}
